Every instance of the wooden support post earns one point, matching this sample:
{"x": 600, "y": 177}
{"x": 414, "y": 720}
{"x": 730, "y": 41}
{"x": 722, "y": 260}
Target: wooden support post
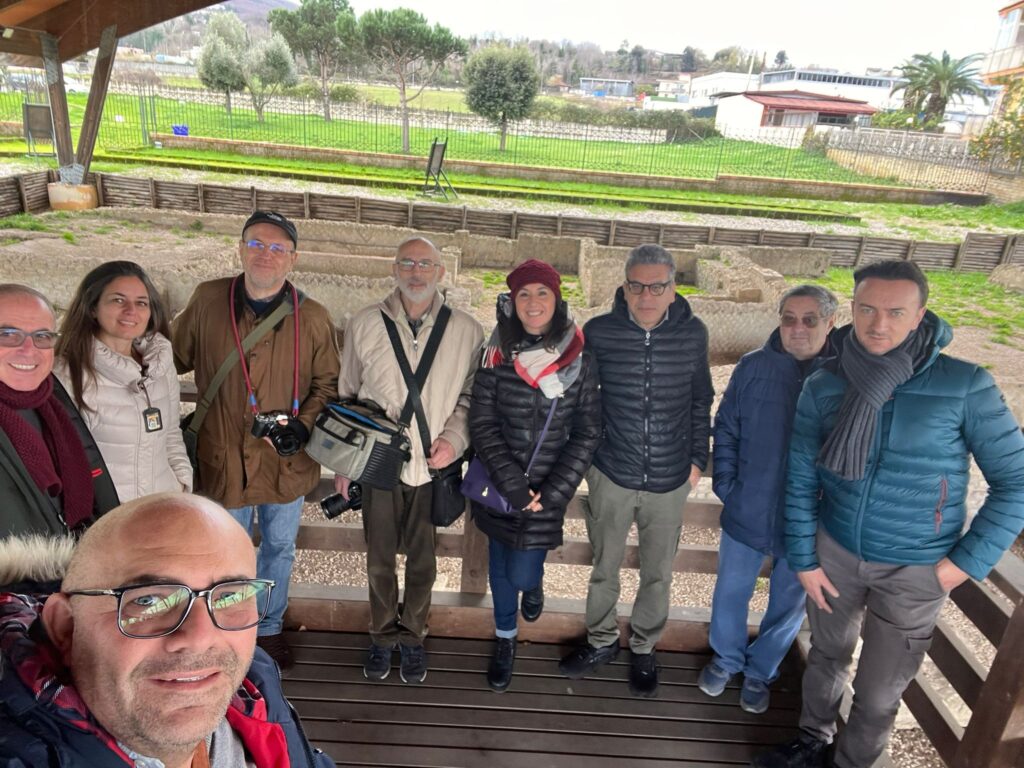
{"x": 465, "y": 217}
{"x": 995, "y": 734}
{"x": 515, "y": 225}
{"x": 474, "y": 560}
{"x": 202, "y": 198}
{"x": 152, "y": 193}
{"x": 961, "y": 252}
{"x": 69, "y": 172}
{"x": 611, "y": 232}
{"x": 22, "y": 195}
{"x": 408, "y": 222}
{"x": 911, "y": 249}
{"x": 1011, "y": 242}
{"x": 711, "y": 235}
{"x": 252, "y": 194}
{"x": 97, "y": 97}
{"x": 810, "y": 239}
{"x": 760, "y": 237}
{"x": 100, "y": 201}
{"x": 305, "y": 205}
{"x": 359, "y": 210}
{"x": 558, "y": 225}
{"x": 860, "y": 251}
{"x": 661, "y": 234}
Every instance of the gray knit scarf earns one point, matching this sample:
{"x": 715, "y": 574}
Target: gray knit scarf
{"x": 871, "y": 380}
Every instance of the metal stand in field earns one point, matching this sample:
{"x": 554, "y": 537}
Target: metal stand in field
{"x": 435, "y": 171}
{"x": 37, "y": 124}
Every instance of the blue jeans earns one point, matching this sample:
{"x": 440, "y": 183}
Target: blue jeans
{"x": 279, "y": 525}
{"x": 738, "y": 566}
{"x": 510, "y": 572}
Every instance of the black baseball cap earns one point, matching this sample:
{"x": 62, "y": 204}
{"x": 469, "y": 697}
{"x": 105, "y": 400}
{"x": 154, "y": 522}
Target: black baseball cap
{"x": 272, "y": 217}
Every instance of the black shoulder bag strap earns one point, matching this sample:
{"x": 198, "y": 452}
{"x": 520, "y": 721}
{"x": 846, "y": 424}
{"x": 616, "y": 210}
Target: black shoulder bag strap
{"x": 416, "y": 381}
{"x": 262, "y": 329}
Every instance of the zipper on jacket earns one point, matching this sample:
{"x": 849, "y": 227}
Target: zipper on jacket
{"x": 648, "y": 353}
{"x": 943, "y": 494}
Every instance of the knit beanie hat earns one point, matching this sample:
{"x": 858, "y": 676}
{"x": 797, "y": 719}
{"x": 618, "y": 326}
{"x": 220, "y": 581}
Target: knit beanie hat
{"x": 534, "y": 271}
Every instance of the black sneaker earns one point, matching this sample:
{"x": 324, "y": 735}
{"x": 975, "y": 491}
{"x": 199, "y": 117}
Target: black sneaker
{"x": 643, "y": 675}
{"x": 802, "y": 752}
{"x": 585, "y": 660}
{"x": 414, "y": 663}
{"x": 499, "y": 671}
{"x": 378, "y": 662}
{"x": 277, "y": 648}
{"x": 532, "y": 605}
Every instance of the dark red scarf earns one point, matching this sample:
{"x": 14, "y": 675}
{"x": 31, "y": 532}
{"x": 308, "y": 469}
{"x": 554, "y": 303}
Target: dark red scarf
{"x": 55, "y": 459}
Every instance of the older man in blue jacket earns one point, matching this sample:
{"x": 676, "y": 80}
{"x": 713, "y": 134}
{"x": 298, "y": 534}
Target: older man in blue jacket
{"x": 876, "y": 505}
{"x": 752, "y": 429}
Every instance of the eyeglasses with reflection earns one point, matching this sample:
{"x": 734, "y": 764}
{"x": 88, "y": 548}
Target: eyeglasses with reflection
{"x": 155, "y": 610}
{"x": 423, "y": 265}
{"x": 808, "y": 321}
{"x": 15, "y": 337}
{"x": 656, "y": 289}
{"x": 275, "y": 249}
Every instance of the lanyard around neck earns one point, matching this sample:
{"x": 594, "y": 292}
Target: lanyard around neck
{"x": 241, "y": 352}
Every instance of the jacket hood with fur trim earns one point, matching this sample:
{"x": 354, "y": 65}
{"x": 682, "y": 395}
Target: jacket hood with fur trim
{"x": 34, "y": 563}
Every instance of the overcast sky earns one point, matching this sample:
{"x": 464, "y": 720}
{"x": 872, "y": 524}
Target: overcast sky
{"x": 845, "y": 34}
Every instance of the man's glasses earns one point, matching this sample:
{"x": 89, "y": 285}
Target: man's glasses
{"x": 424, "y": 265}
{"x": 656, "y": 289}
{"x": 275, "y": 249}
{"x": 155, "y": 610}
{"x": 15, "y": 337}
{"x": 808, "y": 321}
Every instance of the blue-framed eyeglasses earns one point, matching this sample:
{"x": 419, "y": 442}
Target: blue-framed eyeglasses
{"x": 156, "y": 610}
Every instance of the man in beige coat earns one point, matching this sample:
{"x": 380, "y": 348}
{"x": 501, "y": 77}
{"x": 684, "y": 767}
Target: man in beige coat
{"x": 399, "y": 519}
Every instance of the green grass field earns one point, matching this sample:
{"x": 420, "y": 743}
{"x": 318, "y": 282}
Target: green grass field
{"x": 128, "y": 120}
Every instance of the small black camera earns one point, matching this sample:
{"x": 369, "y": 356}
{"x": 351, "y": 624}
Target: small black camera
{"x": 274, "y": 426}
{"x": 335, "y": 504}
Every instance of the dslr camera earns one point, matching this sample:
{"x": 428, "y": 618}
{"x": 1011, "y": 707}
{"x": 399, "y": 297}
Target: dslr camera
{"x": 335, "y": 504}
{"x": 275, "y": 425}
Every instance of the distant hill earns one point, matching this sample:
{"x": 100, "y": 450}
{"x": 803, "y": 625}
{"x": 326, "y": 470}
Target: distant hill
{"x": 253, "y": 13}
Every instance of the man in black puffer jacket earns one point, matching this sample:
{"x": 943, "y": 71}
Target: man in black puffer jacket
{"x": 652, "y": 360}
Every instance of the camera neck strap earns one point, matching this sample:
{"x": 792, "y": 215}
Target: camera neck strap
{"x": 415, "y": 382}
{"x": 272, "y": 319}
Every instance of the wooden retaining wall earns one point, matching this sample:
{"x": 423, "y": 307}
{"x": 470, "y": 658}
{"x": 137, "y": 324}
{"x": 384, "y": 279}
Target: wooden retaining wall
{"x": 978, "y": 252}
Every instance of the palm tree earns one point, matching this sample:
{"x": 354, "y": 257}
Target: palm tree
{"x": 932, "y": 83}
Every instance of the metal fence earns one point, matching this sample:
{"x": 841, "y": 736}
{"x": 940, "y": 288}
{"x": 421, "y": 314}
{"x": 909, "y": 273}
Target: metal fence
{"x": 133, "y": 114}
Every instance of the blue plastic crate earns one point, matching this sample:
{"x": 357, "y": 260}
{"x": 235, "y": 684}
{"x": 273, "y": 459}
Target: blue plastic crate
{"x": 179, "y": 130}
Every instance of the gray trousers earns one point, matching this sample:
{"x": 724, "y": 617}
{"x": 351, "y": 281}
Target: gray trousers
{"x": 610, "y": 511}
{"x": 897, "y": 605}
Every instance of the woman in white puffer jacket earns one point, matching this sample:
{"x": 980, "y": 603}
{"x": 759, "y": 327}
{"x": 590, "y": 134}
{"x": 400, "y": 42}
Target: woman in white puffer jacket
{"x": 115, "y": 358}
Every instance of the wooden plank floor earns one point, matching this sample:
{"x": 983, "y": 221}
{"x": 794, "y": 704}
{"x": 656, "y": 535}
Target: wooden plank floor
{"x": 454, "y": 720}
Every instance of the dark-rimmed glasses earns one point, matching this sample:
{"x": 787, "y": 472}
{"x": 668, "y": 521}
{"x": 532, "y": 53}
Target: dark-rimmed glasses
{"x": 423, "y": 265}
{"x": 15, "y": 337}
{"x": 808, "y": 321}
{"x": 656, "y": 289}
{"x": 156, "y": 610}
{"x": 275, "y": 249}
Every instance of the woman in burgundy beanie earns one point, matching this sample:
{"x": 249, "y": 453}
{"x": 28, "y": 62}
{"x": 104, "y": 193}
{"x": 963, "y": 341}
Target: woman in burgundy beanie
{"x": 535, "y": 405}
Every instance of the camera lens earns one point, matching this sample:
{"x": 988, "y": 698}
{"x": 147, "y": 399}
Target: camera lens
{"x": 286, "y": 442}
{"x": 333, "y": 505}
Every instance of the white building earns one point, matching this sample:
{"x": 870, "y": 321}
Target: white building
{"x": 783, "y": 117}
{"x": 703, "y": 88}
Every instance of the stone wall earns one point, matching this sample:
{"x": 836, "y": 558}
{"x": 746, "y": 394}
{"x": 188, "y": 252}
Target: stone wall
{"x": 788, "y": 261}
{"x": 739, "y": 279}
{"x": 734, "y": 328}
{"x": 602, "y": 269}
{"x": 909, "y": 171}
{"x": 1010, "y": 276}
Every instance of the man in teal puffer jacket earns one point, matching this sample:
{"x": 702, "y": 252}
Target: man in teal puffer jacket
{"x": 876, "y": 504}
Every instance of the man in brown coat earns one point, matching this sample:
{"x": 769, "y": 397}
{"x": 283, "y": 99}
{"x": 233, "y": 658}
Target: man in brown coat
{"x": 249, "y": 445}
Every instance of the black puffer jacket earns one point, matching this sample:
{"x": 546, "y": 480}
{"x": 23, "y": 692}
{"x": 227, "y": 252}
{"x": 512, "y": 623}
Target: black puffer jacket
{"x": 506, "y": 416}
{"x": 656, "y": 396}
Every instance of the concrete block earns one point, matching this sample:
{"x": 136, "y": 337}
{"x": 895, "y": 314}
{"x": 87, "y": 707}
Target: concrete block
{"x": 1009, "y": 276}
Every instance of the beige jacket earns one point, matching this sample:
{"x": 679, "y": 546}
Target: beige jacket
{"x": 369, "y": 371}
